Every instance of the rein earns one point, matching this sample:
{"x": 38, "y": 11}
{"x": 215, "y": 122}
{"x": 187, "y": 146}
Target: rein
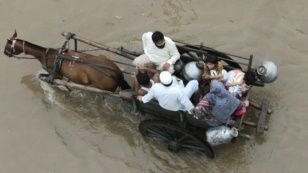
{"x": 98, "y": 67}
{"x": 22, "y": 57}
{"x": 58, "y": 61}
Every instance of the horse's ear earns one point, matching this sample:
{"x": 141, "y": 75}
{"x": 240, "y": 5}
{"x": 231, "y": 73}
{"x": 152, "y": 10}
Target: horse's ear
{"x": 15, "y": 34}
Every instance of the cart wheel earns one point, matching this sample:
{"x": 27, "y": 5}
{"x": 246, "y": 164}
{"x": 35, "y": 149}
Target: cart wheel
{"x": 261, "y": 125}
{"x": 176, "y": 137}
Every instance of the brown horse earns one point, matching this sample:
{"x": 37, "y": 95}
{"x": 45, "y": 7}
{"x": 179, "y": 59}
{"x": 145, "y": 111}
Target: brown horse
{"x": 81, "y": 68}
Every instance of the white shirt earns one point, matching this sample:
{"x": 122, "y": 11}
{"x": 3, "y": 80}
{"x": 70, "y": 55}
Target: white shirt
{"x": 170, "y": 98}
{"x": 168, "y": 54}
{"x": 176, "y": 82}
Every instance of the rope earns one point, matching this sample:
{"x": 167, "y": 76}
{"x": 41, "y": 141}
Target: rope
{"x": 98, "y": 67}
{"x": 23, "y": 57}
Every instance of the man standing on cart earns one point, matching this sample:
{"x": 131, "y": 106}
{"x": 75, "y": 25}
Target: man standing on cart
{"x": 158, "y": 50}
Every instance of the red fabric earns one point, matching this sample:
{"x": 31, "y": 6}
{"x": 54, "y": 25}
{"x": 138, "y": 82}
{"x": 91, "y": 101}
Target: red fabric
{"x": 203, "y": 103}
{"x": 240, "y": 112}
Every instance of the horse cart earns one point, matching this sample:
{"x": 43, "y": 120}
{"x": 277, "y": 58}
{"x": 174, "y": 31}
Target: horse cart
{"x": 180, "y": 130}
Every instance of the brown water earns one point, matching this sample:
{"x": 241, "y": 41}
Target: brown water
{"x": 82, "y": 132}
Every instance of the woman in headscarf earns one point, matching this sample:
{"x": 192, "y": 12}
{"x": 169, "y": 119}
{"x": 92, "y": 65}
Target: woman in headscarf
{"x": 218, "y": 105}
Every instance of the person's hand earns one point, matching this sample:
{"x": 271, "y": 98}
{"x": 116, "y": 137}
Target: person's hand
{"x": 139, "y": 98}
{"x": 191, "y": 111}
{"x": 246, "y": 102}
{"x": 193, "y": 114}
{"x": 156, "y": 78}
{"x": 166, "y": 66}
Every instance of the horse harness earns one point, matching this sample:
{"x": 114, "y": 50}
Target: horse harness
{"x": 58, "y": 62}
{"x": 57, "y": 65}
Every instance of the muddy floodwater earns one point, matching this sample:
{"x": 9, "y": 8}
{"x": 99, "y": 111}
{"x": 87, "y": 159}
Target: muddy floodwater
{"x": 45, "y": 130}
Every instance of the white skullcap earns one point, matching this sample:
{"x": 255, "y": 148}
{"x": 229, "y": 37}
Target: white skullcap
{"x": 165, "y": 78}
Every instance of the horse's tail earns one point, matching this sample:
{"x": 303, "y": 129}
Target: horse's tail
{"x": 122, "y": 82}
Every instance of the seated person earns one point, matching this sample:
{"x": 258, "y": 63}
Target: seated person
{"x": 144, "y": 83}
{"x": 145, "y": 78}
{"x": 218, "y": 105}
{"x": 235, "y": 83}
{"x": 213, "y": 69}
{"x": 170, "y": 93}
{"x": 158, "y": 50}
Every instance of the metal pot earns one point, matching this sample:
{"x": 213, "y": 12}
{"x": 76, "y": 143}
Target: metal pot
{"x": 267, "y": 71}
{"x": 220, "y": 135}
{"x": 178, "y": 66}
{"x": 193, "y": 70}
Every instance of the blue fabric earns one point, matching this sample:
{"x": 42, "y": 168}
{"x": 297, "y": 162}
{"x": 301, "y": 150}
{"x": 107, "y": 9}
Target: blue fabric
{"x": 223, "y": 103}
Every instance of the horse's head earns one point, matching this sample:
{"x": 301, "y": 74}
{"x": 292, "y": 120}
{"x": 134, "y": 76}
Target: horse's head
{"x": 10, "y": 46}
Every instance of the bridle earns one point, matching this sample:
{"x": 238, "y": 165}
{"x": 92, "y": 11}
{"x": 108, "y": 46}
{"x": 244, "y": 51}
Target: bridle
{"x": 10, "y": 52}
{"x": 13, "y": 45}
{"x": 23, "y": 47}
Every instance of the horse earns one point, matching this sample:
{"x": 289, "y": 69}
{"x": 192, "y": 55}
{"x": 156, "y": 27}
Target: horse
{"x": 81, "y": 68}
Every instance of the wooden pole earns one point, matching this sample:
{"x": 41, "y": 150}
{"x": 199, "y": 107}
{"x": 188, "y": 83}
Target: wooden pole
{"x": 208, "y": 49}
{"x": 128, "y": 95}
{"x": 82, "y": 87}
{"x": 98, "y": 45}
{"x": 258, "y": 106}
{"x": 253, "y": 124}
